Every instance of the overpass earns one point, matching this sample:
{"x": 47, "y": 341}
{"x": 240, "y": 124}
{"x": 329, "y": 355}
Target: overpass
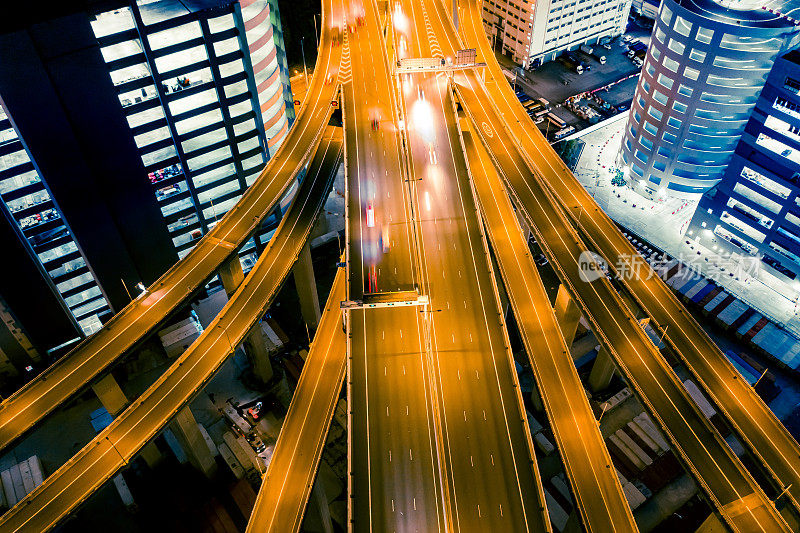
{"x": 290, "y": 476}
{"x": 431, "y": 447}
{"x": 592, "y": 476}
{"x": 76, "y": 369}
{"x": 115, "y": 446}
{"x": 751, "y": 419}
{"x": 729, "y": 486}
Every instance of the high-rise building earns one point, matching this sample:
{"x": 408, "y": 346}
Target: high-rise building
{"x": 532, "y": 33}
{"x": 704, "y": 69}
{"x": 203, "y": 92}
{"x": 124, "y": 135}
{"x": 755, "y": 209}
{"x": 646, "y": 8}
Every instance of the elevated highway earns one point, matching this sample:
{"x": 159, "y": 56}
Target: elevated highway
{"x": 752, "y": 420}
{"x": 115, "y": 446}
{"x": 491, "y": 473}
{"x": 732, "y": 490}
{"x": 437, "y": 433}
{"x": 598, "y": 493}
{"x": 395, "y": 481}
{"x": 75, "y": 370}
{"x": 285, "y": 489}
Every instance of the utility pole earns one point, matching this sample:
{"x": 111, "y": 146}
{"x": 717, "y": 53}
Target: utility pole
{"x": 303, "y": 53}
{"x": 126, "y": 289}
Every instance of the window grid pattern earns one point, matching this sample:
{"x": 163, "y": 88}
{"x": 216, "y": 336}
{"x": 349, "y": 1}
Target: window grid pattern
{"x": 194, "y": 106}
{"x": 26, "y": 199}
{"x": 703, "y": 83}
{"x": 755, "y": 209}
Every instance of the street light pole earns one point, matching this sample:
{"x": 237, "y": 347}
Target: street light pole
{"x": 126, "y": 289}
{"x": 764, "y": 373}
{"x": 123, "y": 458}
{"x": 783, "y": 492}
{"x": 303, "y": 53}
{"x": 605, "y": 408}
{"x": 663, "y": 332}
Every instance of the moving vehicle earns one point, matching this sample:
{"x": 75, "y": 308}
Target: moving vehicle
{"x": 385, "y": 242}
{"x": 432, "y": 154}
{"x": 370, "y": 216}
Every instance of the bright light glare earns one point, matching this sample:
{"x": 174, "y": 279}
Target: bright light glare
{"x": 427, "y": 201}
{"x": 422, "y": 119}
{"x": 400, "y": 22}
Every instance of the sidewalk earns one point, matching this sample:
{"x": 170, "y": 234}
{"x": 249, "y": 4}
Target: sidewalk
{"x": 663, "y": 224}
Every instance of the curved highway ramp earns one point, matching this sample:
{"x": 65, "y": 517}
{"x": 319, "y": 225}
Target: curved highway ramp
{"x": 286, "y": 487}
{"x": 118, "y": 443}
{"x": 22, "y": 410}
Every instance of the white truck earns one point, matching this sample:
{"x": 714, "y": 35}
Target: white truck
{"x": 593, "y": 52}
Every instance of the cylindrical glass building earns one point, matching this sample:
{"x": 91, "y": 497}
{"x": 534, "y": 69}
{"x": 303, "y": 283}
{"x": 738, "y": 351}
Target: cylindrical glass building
{"x": 705, "y": 67}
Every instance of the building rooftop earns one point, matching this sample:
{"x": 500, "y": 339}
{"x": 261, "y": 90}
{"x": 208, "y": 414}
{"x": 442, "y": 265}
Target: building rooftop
{"x": 747, "y": 13}
{"x": 161, "y": 10}
{"x": 793, "y": 56}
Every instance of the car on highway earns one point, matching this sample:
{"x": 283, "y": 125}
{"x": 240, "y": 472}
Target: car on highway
{"x": 370, "y": 216}
{"x": 540, "y": 260}
{"x": 385, "y": 242}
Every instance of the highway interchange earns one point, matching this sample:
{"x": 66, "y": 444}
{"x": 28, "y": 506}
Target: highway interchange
{"x": 438, "y": 435}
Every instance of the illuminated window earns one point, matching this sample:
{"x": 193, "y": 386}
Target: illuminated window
{"x": 697, "y": 55}
{"x": 678, "y": 47}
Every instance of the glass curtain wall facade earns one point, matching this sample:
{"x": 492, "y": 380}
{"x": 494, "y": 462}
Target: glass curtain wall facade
{"x": 185, "y": 81}
{"x": 755, "y": 209}
{"x": 701, "y": 78}
{"x": 27, "y": 201}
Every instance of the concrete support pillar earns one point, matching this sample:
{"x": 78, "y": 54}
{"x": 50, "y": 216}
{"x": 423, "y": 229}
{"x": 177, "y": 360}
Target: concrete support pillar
{"x": 712, "y": 524}
{"x": 151, "y": 455}
{"x": 526, "y": 229}
{"x": 110, "y": 395}
{"x": 321, "y": 499}
{"x": 231, "y": 274}
{"x": 259, "y": 355}
{"x": 536, "y": 398}
{"x": 184, "y": 426}
{"x": 306, "y": 284}
{"x": 567, "y": 314}
{"x": 602, "y": 371}
{"x": 114, "y": 400}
